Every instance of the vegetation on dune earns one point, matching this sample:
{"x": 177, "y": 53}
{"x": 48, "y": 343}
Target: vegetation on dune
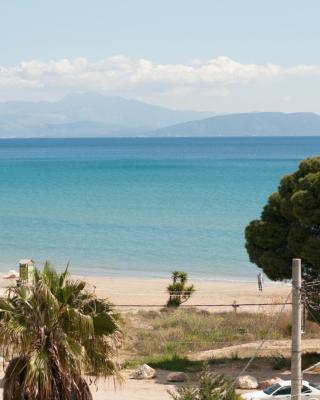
{"x": 166, "y": 339}
{"x": 279, "y": 362}
{"x": 289, "y": 226}
{"x": 178, "y": 290}
{"x": 167, "y": 361}
{"x": 55, "y": 332}
{"x": 210, "y": 386}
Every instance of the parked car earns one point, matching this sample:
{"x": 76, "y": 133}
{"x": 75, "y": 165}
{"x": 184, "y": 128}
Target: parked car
{"x": 282, "y": 390}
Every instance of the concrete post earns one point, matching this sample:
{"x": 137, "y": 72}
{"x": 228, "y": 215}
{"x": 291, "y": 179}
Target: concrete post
{"x": 296, "y": 374}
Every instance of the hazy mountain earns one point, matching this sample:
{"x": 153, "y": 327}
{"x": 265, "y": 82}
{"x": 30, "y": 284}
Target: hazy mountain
{"x": 91, "y": 114}
{"x": 248, "y": 124}
{"x": 88, "y": 114}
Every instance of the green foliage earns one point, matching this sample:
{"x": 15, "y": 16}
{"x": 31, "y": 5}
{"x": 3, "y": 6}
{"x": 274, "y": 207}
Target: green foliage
{"x": 289, "y": 226}
{"x": 279, "y": 362}
{"x": 209, "y": 387}
{"x": 178, "y": 291}
{"x": 57, "y": 330}
{"x": 168, "y": 362}
{"x": 307, "y": 360}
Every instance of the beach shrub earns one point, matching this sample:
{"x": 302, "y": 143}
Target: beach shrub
{"x": 178, "y": 290}
{"x": 307, "y": 360}
{"x": 289, "y": 225}
{"x": 210, "y": 386}
{"x": 279, "y": 362}
{"x": 54, "y": 332}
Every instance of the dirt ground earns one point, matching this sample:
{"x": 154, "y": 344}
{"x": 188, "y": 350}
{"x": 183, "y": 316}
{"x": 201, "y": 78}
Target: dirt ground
{"x": 270, "y": 348}
{"x": 156, "y": 389}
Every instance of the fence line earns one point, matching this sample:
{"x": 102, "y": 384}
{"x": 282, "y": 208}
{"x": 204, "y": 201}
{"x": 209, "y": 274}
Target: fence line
{"x": 205, "y": 305}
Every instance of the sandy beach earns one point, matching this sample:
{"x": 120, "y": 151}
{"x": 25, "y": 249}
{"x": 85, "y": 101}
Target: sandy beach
{"x": 133, "y": 293}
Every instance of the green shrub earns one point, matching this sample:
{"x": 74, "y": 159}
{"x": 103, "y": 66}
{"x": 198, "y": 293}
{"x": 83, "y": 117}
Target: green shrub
{"x": 309, "y": 359}
{"x": 209, "y": 387}
{"x": 279, "y": 362}
{"x": 178, "y": 291}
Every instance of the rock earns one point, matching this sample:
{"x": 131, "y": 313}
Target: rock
{"x": 247, "y": 382}
{"x": 144, "y": 372}
{"x": 265, "y": 384}
{"x": 176, "y": 377}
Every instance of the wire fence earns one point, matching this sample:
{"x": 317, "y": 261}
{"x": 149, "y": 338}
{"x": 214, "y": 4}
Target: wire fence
{"x": 232, "y": 305}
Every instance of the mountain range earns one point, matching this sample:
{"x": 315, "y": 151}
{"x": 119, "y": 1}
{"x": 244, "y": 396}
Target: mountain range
{"x": 88, "y": 114}
{"x": 248, "y": 124}
{"x": 92, "y": 115}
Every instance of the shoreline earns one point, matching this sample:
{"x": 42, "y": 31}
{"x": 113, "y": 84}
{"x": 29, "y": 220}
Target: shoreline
{"x": 192, "y": 276}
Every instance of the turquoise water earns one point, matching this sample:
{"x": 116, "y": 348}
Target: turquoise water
{"x": 139, "y": 207}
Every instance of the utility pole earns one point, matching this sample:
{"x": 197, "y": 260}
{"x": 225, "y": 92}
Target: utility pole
{"x": 296, "y": 374}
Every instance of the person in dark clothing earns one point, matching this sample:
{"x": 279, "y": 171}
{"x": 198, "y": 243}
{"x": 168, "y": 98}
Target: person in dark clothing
{"x": 260, "y": 281}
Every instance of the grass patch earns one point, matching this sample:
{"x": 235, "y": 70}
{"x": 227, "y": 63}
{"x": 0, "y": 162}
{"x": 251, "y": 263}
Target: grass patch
{"x": 185, "y": 331}
{"x": 165, "y": 339}
{"x": 167, "y": 362}
{"x": 175, "y": 363}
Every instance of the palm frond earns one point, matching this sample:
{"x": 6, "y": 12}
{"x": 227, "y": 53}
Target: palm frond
{"x": 60, "y": 330}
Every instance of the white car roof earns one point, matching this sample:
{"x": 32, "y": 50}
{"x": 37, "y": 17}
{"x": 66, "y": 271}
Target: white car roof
{"x": 288, "y": 383}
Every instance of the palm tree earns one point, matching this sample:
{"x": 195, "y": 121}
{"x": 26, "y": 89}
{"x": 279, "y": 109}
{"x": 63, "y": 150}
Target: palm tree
{"x": 178, "y": 291}
{"x": 55, "y": 332}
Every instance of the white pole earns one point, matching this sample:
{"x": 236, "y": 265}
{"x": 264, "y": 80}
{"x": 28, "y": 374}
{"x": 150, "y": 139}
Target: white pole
{"x": 296, "y": 375}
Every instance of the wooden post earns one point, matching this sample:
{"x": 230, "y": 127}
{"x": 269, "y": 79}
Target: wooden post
{"x": 296, "y": 375}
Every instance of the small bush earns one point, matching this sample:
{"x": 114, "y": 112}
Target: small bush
{"x": 209, "y": 387}
{"x": 309, "y": 359}
{"x": 279, "y": 362}
{"x": 167, "y": 362}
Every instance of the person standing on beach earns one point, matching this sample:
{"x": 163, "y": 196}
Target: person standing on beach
{"x": 260, "y": 281}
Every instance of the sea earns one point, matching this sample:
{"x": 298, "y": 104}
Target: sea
{"x": 140, "y": 207}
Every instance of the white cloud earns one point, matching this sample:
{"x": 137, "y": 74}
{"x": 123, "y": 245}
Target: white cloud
{"x": 120, "y": 71}
{"x": 145, "y": 79}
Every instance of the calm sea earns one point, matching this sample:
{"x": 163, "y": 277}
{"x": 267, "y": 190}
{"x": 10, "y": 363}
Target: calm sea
{"x": 139, "y": 207}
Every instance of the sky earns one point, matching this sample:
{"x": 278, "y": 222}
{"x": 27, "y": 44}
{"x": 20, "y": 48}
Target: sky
{"x": 220, "y": 56}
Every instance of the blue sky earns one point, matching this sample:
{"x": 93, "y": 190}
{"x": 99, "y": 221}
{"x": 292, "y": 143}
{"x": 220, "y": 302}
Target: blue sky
{"x": 176, "y": 33}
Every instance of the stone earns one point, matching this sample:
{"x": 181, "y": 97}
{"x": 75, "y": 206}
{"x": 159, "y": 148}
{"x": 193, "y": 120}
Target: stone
{"x": 268, "y": 382}
{"x": 144, "y": 372}
{"x": 247, "y": 382}
{"x": 176, "y": 377}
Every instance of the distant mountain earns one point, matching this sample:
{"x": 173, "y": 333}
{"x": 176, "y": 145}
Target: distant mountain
{"x": 248, "y": 124}
{"x": 87, "y": 114}
{"x": 92, "y": 114}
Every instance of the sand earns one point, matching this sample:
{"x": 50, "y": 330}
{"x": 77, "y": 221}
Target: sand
{"x": 132, "y": 293}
